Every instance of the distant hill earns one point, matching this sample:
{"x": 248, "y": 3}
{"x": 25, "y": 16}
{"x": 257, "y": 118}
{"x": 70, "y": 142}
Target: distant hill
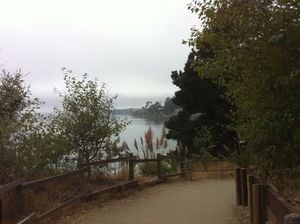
{"x": 151, "y": 110}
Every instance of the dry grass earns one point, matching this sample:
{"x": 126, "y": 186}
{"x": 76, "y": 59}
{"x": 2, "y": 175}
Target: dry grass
{"x": 9, "y": 214}
{"x": 44, "y": 198}
{"x": 52, "y": 195}
{"x": 291, "y": 192}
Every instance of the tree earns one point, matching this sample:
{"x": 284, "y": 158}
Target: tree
{"x": 84, "y": 124}
{"x": 205, "y": 114}
{"x": 18, "y": 123}
{"x": 257, "y": 58}
{"x": 152, "y": 111}
{"x": 169, "y": 107}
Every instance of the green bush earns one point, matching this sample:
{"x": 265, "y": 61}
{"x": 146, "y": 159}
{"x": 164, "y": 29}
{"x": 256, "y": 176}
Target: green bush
{"x": 148, "y": 169}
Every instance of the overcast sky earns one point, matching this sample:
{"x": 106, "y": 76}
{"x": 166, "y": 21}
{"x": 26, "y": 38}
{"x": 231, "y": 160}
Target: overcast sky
{"x": 131, "y": 45}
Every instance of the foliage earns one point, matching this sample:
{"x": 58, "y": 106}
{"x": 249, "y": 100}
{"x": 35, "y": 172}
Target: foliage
{"x": 84, "y": 126}
{"x": 148, "y": 149}
{"x": 169, "y": 166}
{"x": 206, "y": 116}
{"x": 242, "y": 156}
{"x": 19, "y": 124}
{"x": 256, "y": 56}
{"x": 169, "y": 107}
{"x": 156, "y": 111}
{"x": 148, "y": 168}
{"x": 203, "y": 156}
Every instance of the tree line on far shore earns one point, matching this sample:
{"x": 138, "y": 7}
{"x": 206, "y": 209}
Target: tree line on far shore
{"x": 152, "y": 111}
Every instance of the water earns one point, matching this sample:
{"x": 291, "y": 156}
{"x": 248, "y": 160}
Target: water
{"x": 137, "y": 128}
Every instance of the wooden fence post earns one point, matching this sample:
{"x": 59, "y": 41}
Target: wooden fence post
{"x": 244, "y": 190}
{"x": 131, "y": 168}
{"x": 238, "y": 185}
{"x": 182, "y": 157}
{"x": 188, "y": 170}
{"x": 292, "y": 218}
{"x": 16, "y": 195}
{"x": 18, "y": 199}
{"x": 1, "y": 211}
{"x": 158, "y": 166}
{"x": 250, "y": 182}
{"x": 89, "y": 174}
{"x": 263, "y": 203}
{"x": 182, "y": 168}
{"x": 81, "y": 175}
{"x": 257, "y": 203}
{"x": 222, "y": 174}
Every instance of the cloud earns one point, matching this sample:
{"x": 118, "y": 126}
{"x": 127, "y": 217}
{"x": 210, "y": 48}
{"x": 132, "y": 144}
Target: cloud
{"x": 131, "y": 45}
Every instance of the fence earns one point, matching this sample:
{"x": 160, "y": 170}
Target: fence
{"x": 221, "y": 168}
{"x": 17, "y": 187}
{"x": 265, "y": 203}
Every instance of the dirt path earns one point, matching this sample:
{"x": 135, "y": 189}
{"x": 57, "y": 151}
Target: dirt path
{"x": 179, "y": 202}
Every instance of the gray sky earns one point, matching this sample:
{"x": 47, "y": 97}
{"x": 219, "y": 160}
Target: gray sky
{"x": 131, "y": 45}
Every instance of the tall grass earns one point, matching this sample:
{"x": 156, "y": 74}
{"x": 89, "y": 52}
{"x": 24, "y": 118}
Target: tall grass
{"x": 149, "y": 147}
{"x": 146, "y": 147}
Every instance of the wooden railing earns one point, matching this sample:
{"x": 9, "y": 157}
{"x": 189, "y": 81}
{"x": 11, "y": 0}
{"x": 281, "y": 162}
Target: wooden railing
{"x": 220, "y": 167}
{"x": 37, "y": 183}
{"x": 265, "y": 203}
{"x": 18, "y": 186}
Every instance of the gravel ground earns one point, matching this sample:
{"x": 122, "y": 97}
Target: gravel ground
{"x": 177, "y": 202}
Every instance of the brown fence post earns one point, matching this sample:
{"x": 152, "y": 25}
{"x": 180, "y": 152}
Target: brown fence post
{"x": 222, "y": 168}
{"x": 250, "y": 181}
{"x": 158, "y": 166}
{"x": 131, "y": 167}
{"x": 18, "y": 199}
{"x": 182, "y": 168}
{"x": 257, "y": 203}
{"x": 182, "y": 158}
{"x": 238, "y": 185}
{"x": 16, "y": 194}
{"x": 244, "y": 190}
{"x": 81, "y": 175}
{"x": 292, "y": 218}
{"x": 89, "y": 173}
{"x": 188, "y": 170}
{"x": 263, "y": 203}
{"x": 1, "y": 211}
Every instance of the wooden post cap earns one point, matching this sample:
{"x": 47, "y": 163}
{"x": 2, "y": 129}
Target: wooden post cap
{"x": 293, "y": 218}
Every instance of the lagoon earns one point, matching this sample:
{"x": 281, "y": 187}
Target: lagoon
{"x": 137, "y": 128}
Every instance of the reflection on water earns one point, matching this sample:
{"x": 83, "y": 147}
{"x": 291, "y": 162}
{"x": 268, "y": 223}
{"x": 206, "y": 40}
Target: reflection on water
{"x": 137, "y": 128}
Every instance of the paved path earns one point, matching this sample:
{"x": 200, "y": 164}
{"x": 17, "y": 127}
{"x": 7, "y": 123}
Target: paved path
{"x": 178, "y": 202}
